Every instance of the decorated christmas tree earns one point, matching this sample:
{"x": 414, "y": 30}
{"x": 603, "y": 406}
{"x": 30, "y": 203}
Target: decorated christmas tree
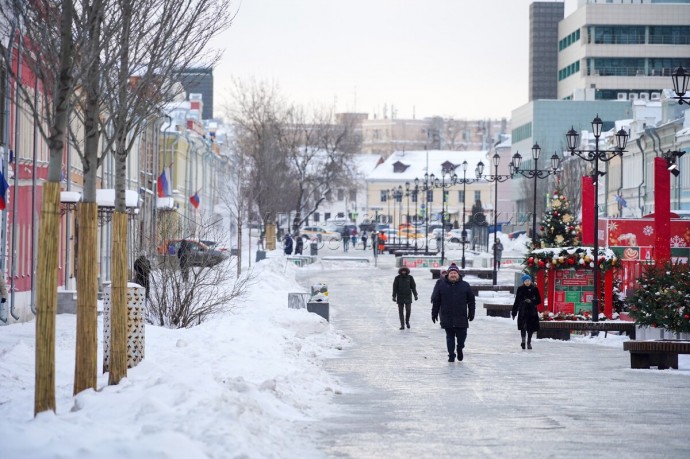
{"x": 560, "y": 227}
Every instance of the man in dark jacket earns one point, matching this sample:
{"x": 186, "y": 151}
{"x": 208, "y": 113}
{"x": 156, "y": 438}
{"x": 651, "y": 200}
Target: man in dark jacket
{"x": 454, "y": 302}
{"x": 287, "y": 245}
{"x": 404, "y": 287}
{"x": 142, "y": 272}
{"x": 183, "y": 257}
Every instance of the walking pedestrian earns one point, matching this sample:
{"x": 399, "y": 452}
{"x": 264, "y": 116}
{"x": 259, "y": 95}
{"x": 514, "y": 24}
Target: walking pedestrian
{"x": 454, "y": 305}
{"x": 287, "y": 244}
{"x": 183, "y": 258}
{"x": 354, "y": 234}
{"x": 346, "y": 239}
{"x": 527, "y": 298}
{"x": 142, "y": 272}
{"x": 299, "y": 245}
{"x": 498, "y": 248}
{"x": 381, "y": 241}
{"x": 404, "y": 287}
{"x": 364, "y": 240}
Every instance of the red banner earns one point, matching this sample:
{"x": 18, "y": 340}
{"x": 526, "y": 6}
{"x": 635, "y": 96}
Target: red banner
{"x": 662, "y": 210}
{"x": 587, "y": 211}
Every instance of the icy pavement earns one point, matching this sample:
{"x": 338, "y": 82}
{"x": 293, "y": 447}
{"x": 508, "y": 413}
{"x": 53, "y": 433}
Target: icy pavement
{"x": 562, "y": 399}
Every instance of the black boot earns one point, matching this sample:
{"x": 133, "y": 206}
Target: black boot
{"x": 522, "y": 344}
{"x": 529, "y": 345}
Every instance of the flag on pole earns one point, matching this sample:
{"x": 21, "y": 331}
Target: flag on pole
{"x": 621, "y": 201}
{"x": 195, "y": 200}
{"x": 164, "y": 183}
{"x": 3, "y": 191}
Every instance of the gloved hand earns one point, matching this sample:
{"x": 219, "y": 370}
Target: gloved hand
{"x": 471, "y": 317}
{"x": 434, "y": 319}
{"x": 4, "y": 300}
{"x": 512, "y": 315}
{"x": 415, "y": 298}
{"x": 394, "y": 299}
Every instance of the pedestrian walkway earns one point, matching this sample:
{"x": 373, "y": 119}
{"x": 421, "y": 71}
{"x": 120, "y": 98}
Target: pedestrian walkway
{"x": 562, "y": 399}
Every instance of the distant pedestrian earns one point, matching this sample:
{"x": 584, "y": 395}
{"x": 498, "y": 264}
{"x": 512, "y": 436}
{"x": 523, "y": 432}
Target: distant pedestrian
{"x": 142, "y": 272}
{"x": 287, "y": 244}
{"x": 404, "y": 287}
{"x": 346, "y": 239}
{"x": 527, "y": 298}
{"x": 354, "y": 235}
{"x": 299, "y": 245}
{"x": 454, "y": 304}
{"x": 364, "y": 240}
{"x": 183, "y": 258}
{"x": 381, "y": 241}
{"x": 498, "y": 248}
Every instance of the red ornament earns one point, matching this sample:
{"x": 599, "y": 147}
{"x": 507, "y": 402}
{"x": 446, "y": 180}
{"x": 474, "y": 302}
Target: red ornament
{"x": 571, "y": 261}
{"x": 541, "y": 264}
{"x": 687, "y": 316}
{"x": 531, "y": 259}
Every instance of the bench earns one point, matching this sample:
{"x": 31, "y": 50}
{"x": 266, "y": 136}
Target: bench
{"x": 662, "y": 354}
{"x": 560, "y": 329}
{"x": 357, "y": 259}
{"x": 480, "y": 273}
{"x": 490, "y": 288}
{"x": 498, "y": 310}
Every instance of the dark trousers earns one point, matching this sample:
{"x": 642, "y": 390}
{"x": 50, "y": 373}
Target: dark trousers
{"x": 408, "y": 309}
{"x": 451, "y": 334}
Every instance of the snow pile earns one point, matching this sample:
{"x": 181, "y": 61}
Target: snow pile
{"x": 243, "y": 384}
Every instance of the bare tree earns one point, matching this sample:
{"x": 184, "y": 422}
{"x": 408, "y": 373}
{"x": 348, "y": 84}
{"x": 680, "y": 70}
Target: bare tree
{"x": 573, "y": 170}
{"x": 45, "y": 40}
{"x": 208, "y": 290}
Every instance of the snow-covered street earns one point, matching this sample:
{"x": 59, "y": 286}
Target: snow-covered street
{"x": 562, "y": 399}
{"x": 268, "y": 381}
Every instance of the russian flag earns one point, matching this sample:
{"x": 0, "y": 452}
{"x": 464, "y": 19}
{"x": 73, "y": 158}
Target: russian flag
{"x": 195, "y": 200}
{"x": 3, "y": 191}
{"x": 164, "y": 183}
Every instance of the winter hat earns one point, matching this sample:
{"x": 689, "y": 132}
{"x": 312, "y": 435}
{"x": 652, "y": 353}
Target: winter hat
{"x": 453, "y": 267}
{"x": 526, "y": 277}
{"x": 404, "y": 269}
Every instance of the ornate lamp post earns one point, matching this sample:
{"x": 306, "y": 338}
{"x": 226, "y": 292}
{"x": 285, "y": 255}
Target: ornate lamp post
{"x": 452, "y": 180}
{"x": 398, "y": 193}
{"x": 415, "y": 195}
{"x": 464, "y": 180}
{"x": 407, "y": 214}
{"x": 595, "y": 156}
{"x": 426, "y": 186}
{"x": 535, "y": 174}
{"x": 494, "y": 178}
{"x": 680, "y": 78}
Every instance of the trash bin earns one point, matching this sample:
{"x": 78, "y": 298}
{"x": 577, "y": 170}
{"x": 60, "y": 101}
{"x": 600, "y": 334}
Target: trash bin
{"x": 260, "y": 255}
{"x": 319, "y": 307}
{"x": 313, "y": 248}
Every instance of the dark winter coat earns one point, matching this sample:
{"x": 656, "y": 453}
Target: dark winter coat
{"x": 288, "y": 245}
{"x": 183, "y": 254}
{"x": 299, "y": 245}
{"x": 404, "y": 287}
{"x": 525, "y": 307}
{"x": 142, "y": 272}
{"x": 453, "y": 303}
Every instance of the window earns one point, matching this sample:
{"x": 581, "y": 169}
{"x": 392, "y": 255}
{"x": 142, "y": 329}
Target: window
{"x": 384, "y": 195}
{"x": 413, "y": 195}
{"x": 327, "y": 216}
{"x": 477, "y": 195}
{"x": 316, "y": 216}
{"x": 353, "y": 195}
{"x": 461, "y": 196}
{"x": 430, "y": 196}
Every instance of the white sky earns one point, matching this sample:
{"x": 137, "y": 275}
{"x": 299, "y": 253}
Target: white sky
{"x": 428, "y": 57}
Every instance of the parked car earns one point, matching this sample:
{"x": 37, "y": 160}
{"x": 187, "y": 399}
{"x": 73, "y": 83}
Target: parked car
{"x": 321, "y": 233}
{"x": 455, "y": 235}
{"x": 200, "y": 254}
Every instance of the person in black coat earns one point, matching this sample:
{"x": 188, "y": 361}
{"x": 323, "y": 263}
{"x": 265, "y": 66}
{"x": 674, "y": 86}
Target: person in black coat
{"x": 404, "y": 287}
{"x": 287, "y": 245}
{"x": 299, "y": 245}
{"x": 453, "y": 302}
{"x": 142, "y": 272}
{"x": 527, "y": 298}
{"x": 183, "y": 258}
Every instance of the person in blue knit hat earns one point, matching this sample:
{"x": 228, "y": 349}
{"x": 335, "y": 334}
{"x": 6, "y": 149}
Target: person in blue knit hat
{"x": 527, "y": 298}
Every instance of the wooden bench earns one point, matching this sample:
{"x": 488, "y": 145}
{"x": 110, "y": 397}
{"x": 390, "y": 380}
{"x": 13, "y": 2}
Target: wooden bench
{"x": 490, "y": 288}
{"x": 662, "y": 354}
{"x": 480, "y": 273}
{"x": 498, "y": 310}
{"x": 560, "y": 329}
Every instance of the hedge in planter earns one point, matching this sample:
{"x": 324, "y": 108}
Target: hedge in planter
{"x": 663, "y": 299}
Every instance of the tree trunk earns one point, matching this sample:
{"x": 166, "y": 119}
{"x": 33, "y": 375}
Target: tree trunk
{"x": 118, "y": 311}
{"x": 270, "y": 236}
{"x": 46, "y": 298}
{"x": 86, "y": 370}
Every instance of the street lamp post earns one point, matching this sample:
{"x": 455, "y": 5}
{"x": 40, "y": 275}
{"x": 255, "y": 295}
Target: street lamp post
{"x": 595, "y": 156}
{"x": 464, "y": 180}
{"x": 426, "y": 185}
{"x": 494, "y": 178}
{"x": 452, "y": 180}
{"x": 535, "y": 174}
{"x": 680, "y": 78}
{"x": 407, "y": 214}
{"x": 415, "y": 197}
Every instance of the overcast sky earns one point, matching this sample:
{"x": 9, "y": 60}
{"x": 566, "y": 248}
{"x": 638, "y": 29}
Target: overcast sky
{"x": 460, "y": 58}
